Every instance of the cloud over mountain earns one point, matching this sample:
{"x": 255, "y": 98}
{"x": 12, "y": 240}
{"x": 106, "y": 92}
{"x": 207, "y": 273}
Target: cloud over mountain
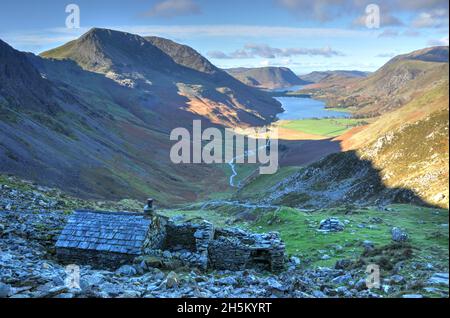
{"x": 439, "y": 42}
{"x": 268, "y": 52}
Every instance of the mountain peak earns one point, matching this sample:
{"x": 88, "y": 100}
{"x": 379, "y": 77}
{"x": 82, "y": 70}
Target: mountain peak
{"x": 104, "y": 50}
{"x": 183, "y": 55}
{"x": 99, "y": 30}
{"x": 108, "y": 35}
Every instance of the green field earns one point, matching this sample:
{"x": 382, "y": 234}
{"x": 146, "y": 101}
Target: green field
{"x": 427, "y": 229}
{"x": 329, "y": 127}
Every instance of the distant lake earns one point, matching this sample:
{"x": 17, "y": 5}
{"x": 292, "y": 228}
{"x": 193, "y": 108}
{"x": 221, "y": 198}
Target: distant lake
{"x": 306, "y": 108}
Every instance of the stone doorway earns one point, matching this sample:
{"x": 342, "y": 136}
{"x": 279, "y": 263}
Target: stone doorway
{"x": 261, "y": 259}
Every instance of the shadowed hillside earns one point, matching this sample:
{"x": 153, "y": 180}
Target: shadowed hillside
{"x": 338, "y": 179}
{"x": 95, "y": 121}
{"x": 266, "y": 77}
{"x": 21, "y": 84}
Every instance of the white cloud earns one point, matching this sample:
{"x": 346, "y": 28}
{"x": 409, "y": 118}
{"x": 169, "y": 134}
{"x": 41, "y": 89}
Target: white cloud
{"x": 48, "y": 38}
{"x": 36, "y": 41}
{"x": 241, "y": 31}
{"x": 386, "y": 19}
{"x": 385, "y": 55}
{"x": 173, "y": 8}
{"x": 389, "y": 33}
{"x": 322, "y": 10}
{"x": 302, "y": 66}
{"x": 238, "y": 54}
{"x": 330, "y": 10}
{"x": 439, "y": 42}
{"x": 433, "y": 19}
{"x": 268, "y": 52}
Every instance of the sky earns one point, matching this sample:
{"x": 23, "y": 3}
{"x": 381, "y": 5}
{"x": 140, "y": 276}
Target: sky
{"x": 304, "y": 35}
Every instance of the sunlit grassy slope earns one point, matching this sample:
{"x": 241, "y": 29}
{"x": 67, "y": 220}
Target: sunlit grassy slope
{"x": 391, "y": 87}
{"x": 410, "y": 146}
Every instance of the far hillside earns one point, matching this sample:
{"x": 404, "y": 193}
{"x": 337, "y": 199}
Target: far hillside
{"x": 266, "y": 77}
{"x": 400, "y": 156}
{"x": 318, "y": 77}
{"x": 392, "y": 86}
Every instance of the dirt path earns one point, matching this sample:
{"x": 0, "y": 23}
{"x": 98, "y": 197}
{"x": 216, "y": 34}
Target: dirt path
{"x": 232, "y": 165}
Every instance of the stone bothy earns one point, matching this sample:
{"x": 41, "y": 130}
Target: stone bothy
{"x": 104, "y": 239}
{"x": 111, "y": 239}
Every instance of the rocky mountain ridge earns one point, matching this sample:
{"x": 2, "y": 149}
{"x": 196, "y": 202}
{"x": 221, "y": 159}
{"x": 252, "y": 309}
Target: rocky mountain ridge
{"x": 266, "y": 77}
{"x": 87, "y": 117}
{"x": 317, "y": 77}
{"x": 170, "y": 74}
{"x": 390, "y": 87}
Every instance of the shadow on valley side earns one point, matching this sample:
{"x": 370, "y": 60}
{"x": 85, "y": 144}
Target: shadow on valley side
{"x": 328, "y": 177}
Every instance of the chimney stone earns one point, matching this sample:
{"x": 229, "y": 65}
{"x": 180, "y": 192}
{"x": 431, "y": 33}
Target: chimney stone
{"x": 148, "y": 209}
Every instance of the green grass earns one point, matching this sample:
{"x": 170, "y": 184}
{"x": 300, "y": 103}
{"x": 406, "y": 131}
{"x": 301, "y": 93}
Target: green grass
{"x": 15, "y": 183}
{"x": 258, "y": 186}
{"x": 329, "y": 127}
{"x": 299, "y": 231}
{"x": 218, "y": 219}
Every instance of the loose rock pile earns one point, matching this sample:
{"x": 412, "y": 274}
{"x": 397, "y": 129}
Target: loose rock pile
{"x": 398, "y": 235}
{"x": 12, "y": 199}
{"x": 331, "y": 225}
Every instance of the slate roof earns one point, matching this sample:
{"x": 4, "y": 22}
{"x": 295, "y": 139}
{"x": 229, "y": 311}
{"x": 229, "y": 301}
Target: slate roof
{"x": 118, "y": 232}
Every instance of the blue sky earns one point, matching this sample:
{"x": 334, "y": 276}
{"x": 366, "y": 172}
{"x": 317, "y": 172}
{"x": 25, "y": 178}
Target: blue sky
{"x": 304, "y": 35}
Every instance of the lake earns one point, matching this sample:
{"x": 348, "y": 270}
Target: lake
{"x": 306, "y": 108}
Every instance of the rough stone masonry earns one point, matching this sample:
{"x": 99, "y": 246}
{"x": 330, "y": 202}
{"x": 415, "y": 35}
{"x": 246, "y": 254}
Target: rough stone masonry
{"x": 111, "y": 239}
